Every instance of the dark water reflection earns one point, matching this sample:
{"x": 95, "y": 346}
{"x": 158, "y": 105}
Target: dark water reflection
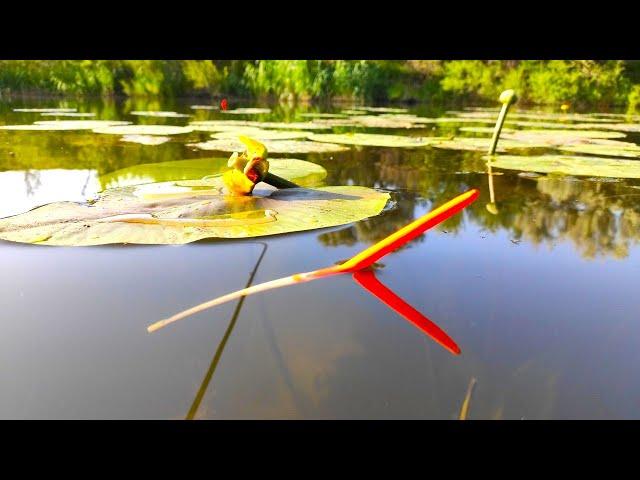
{"x": 538, "y": 292}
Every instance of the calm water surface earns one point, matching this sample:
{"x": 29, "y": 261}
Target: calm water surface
{"x": 541, "y": 297}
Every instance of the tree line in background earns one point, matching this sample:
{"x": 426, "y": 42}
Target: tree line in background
{"x": 580, "y": 82}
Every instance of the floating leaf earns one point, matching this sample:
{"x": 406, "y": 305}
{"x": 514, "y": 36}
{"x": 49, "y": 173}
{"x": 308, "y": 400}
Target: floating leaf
{"x": 322, "y": 115}
{"x": 377, "y": 121}
{"x": 122, "y": 217}
{"x": 482, "y": 144}
{"x": 221, "y": 125}
{"x": 261, "y": 135}
{"x": 67, "y": 114}
{"x": 52, "y": 125}
{"x": 201, "y": 172}
{"x": 273, "y": 146}
{"x": 569, "y": 165}
{"x": 145, "y": 139}
{"x": 376, "y": 140}
{"x": 43, "y": 110}
{"x": 204, "y": 107}
{"x": 144, "y": 130}
{"x": 159, "y": 114}
{"x": 247, "y": 111}
{"x": 485, "y": 130}
{"x": 620, "y": 149}
{"x": 382, "y": 109}
{"x": 560, "y": 137}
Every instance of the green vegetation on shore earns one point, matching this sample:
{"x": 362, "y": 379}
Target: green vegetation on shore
{"x": 579, "y": 82}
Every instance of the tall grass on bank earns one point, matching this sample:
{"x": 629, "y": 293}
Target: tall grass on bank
{"x": 585, "y": 82}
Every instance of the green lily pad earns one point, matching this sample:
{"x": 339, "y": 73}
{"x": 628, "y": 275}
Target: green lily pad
{"x": 67, "y": 114}
{"x": 247, "y": 111}
{"x": 382, "y": 109}
{"x": 322, "y": 115}
{"x": 221, "y": 125}
{"x": 620, "y": 149}
{"x": 569, "y": 165}
{"x": 482, "y": 144}
{"x": 44, "y": 110}
{"x": 486, "y": 130}
{"x": 204, "y": 107}
{"x": 376, "y": 140}
{"x": 159, "y": 114}
{"x": 378, "y": 121}
{"x": 121, "y": 216}
{"x": 191, "y": 173}
{"x": 273, "y": 146}
{"x": 144, "y": 130}
{"x": 353, "y": 112}
{"x": 557, "y": 138}
{"x": 54, "y": 125}
{"x": 145, "y": 139}
{"x": 260, "y": 135}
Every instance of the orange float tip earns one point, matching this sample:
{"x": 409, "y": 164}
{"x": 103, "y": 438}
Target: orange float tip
{"x": 394, "y": 241}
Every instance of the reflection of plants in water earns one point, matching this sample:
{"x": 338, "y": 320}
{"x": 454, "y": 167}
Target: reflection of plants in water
{"x": 599, "y": 217}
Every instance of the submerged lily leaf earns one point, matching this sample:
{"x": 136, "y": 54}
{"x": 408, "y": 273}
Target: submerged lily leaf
{"x": 273, "y": 146}
{"x": 145, "y": 139}
{"x": 201, "y": 172}
{"x": 260, "y": 134}
{"x": 376, "y": 140}
{"x": 144, "y": 130}
{"x": 160, "y": 114}
{"x": 52, "y": 125}
{"x": 569, "y": 165}
{"x": 121, "y": 216}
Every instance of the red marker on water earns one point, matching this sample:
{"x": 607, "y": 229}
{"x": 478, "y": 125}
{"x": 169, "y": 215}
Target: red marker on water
{"x": 223, "y": 104}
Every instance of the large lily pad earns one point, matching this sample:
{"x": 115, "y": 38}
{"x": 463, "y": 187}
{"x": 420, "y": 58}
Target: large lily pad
{"x": 144, "y": 130}
{"x": 261, "y": 135}
{"x": 569, "y": 165}
{"x": 190, "y": 173}
{"x": 121, "y": 216}
{"x": 54, "y": 125}
{"x": 376, "y": 140}
{"x": 159, "y": 114}
{"x": 273, "y": 146}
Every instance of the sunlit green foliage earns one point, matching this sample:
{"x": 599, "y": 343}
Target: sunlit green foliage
{"x": 538, "y": 81}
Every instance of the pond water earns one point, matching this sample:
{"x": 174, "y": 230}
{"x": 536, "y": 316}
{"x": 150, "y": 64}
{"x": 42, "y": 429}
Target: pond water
{"x": 538, "y": 290}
